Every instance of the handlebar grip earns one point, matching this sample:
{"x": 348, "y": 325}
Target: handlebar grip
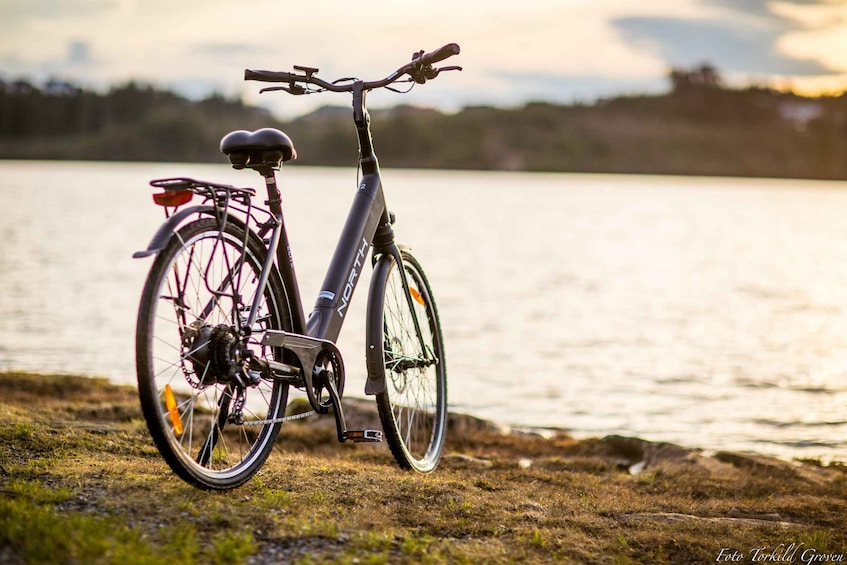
{"x": 269, "y": 76}
{"x": 440, "y": 54}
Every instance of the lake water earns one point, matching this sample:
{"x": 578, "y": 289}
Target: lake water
{"x": 706, "y": 312}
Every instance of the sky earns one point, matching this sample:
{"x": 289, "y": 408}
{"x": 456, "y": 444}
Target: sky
{"x": 512, "y": 51}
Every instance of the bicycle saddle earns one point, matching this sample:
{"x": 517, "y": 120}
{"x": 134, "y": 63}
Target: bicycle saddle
{"x": 256, "y": 149}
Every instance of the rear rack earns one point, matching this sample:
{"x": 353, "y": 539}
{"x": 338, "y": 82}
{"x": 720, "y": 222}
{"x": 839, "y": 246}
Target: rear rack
{"x": 198, "y": 186}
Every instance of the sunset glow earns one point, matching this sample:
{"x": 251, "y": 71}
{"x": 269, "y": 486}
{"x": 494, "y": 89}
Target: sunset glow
{"x": 559, "y": 51}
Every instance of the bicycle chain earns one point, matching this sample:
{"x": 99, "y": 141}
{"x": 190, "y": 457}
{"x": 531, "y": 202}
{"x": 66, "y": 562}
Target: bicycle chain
{"x": 280, "y": 420}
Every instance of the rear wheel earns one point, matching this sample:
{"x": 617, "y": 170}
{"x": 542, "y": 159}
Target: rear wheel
{"x": 413, "y": 405}
{"x": 209, "y": 415}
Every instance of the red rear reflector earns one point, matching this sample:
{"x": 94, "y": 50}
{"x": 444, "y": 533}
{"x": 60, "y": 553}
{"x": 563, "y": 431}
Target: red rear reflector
{"x": 173, "y": 197}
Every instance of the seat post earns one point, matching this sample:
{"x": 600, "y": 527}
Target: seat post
{"x": 274, "y": 195}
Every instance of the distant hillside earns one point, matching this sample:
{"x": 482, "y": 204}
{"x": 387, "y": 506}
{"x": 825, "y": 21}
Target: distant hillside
{"x": 699, "y": 127}
{"x": 129, "y": 123}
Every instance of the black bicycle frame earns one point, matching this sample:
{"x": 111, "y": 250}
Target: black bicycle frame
{"x": 367, "y": 213}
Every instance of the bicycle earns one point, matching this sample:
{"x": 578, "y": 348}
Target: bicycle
{"x": 221, "y": 334}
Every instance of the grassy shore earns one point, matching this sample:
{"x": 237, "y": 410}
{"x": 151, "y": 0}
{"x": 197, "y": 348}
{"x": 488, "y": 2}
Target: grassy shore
{"x": 80, "y": 482}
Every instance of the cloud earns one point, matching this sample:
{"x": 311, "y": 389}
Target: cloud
{"x": 745, "y": 39}
{"x": 19, "y": 12}
{"x": 763, "y": 9}
{"x": 219, "y": 49}
{"x": 79, "y": 52}
{"x": 512, "y": 52}
{"x": 730, "y": 47}
{"x": 222, "y": 54}
{"x": 566, "y": 88}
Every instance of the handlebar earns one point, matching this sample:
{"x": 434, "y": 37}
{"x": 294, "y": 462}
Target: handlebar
{"x": 419, "y": 69}
{"x": 269, "y": 76}
{"x": 440, "y": 54}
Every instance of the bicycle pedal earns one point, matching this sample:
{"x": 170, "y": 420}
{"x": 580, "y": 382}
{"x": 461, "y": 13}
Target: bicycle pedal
{"x": 359, "y": 436}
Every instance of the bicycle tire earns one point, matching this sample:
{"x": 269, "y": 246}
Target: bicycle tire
{"x": 413, "y": 405}
{"x": 183, "y": 329}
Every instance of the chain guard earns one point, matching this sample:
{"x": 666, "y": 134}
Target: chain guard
{"x": 313, "y": 354}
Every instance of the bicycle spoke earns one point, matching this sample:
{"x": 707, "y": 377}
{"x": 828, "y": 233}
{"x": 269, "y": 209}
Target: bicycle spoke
{"x": 194, "y": 307}
{"x": 413, "y": 406}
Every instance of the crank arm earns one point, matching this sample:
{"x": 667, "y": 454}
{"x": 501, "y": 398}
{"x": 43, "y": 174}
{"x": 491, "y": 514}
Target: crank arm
{"x": 358, "y": 436}
{"x": 276, "y": 370}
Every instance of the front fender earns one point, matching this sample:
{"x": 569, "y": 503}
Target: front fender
{"x": 374, "y": 326}
{"x": 167, "y": 229}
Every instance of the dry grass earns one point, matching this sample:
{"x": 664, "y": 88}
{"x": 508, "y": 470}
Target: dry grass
{"x": 80, "y": 482}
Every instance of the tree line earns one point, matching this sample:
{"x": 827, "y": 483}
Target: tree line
{"x": 699, "y": 126}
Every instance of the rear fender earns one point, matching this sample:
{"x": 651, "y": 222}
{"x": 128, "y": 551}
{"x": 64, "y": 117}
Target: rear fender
{"x": 167, "y": 229}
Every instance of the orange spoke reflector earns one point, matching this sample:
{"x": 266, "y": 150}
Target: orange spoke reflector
{"x": 173, "y": 413}
{"x": 173, "y": 197}
{"x": 416, "y": 295}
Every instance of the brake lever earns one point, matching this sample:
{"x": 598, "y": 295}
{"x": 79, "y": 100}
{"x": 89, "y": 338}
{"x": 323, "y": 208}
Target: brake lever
{"x": 291, "y": 89}
{"x": 429, "y": 72}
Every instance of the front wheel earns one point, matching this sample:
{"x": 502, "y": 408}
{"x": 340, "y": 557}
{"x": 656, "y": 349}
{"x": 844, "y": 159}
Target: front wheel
{"x": 413, "y": 404}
